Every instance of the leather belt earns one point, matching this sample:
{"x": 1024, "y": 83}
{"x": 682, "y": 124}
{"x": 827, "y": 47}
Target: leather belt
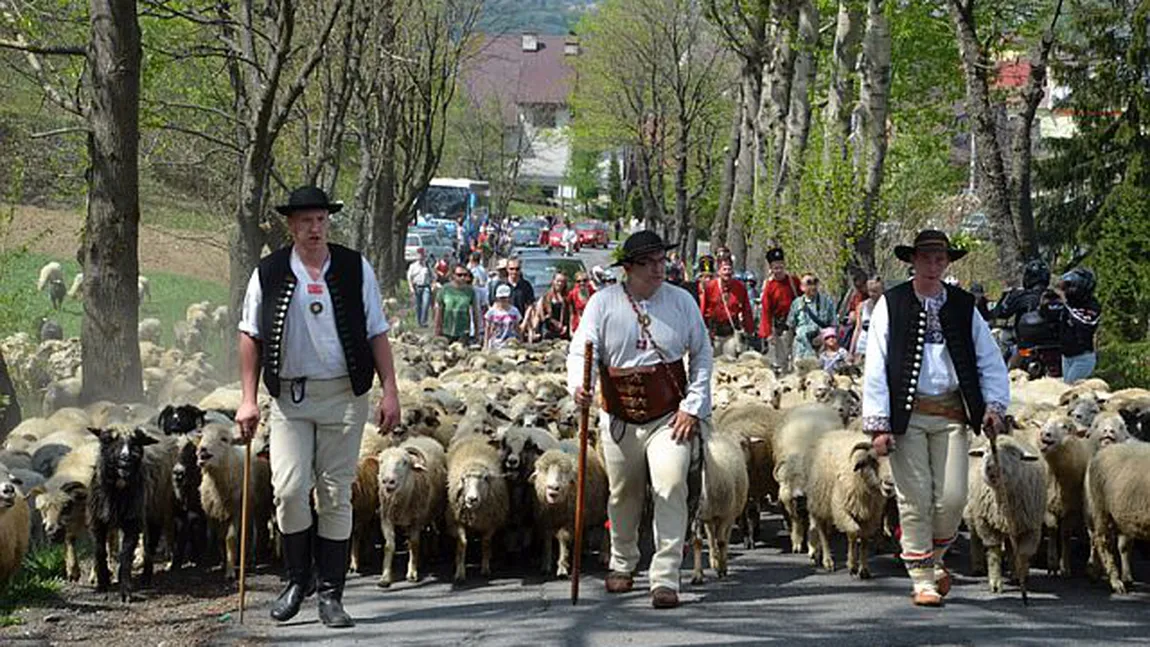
{"x": 640, "y": 394}
{"x": 947, "y": 405}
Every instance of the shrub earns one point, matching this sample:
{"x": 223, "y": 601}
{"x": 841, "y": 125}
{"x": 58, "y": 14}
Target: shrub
{"x": 1125, "y": 365}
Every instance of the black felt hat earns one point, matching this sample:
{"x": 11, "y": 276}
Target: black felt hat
{"x": 641, "y": 244}
{"x": 308, "y": 197}
{"x": 775, "y": 254}
{"x": 928, "y": 240}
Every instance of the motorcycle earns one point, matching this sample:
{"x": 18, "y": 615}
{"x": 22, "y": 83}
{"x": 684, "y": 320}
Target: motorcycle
{"x": 1039, "y": 351}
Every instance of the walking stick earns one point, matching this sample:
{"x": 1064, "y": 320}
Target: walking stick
{"x": 1006, "y": 505}
{"x": 584, "y": 412}
{"x": 244, "y": 524}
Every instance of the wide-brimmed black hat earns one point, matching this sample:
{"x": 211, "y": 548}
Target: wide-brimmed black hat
{"x": 308, "y": 197}
{"x": 928, "y": 240}
{"x": 641, "y": 244}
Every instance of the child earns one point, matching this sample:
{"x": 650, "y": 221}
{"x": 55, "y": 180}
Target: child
{"x": 832, "y": 358}
{"x": 502, "y": 319}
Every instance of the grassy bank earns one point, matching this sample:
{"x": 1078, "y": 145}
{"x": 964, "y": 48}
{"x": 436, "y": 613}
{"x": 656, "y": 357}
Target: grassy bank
{"x": 38, "y": 580}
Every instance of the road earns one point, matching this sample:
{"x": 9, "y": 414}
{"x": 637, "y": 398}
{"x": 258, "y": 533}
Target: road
{"x": 770, "y": 596}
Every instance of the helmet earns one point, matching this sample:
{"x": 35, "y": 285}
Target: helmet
{"x": 1078, "y": 282}
{"x": 1035, "y": 274}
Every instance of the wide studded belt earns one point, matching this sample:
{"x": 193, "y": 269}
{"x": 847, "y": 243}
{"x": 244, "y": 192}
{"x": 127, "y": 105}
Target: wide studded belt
{"x": 948, "y": 405}
{"x": 640, "y": 394}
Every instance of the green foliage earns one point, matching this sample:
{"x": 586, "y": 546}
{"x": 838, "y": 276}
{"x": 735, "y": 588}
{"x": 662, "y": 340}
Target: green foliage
{"x": 583, "y": 172}
{"x": 615, "y": 189}
{"x": 1120, "y": 261}
{"x": 38, "y": 580}
{"x": 1124, "y": 366}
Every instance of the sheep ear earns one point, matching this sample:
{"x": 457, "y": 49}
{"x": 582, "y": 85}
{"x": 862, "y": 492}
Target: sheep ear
{"x": 977, "y": 452}
{"x": 98, "y": 433}
{"x": 1028, "y": 457}
{"x": 142, "y": 438}
{"x": 756, "y": 441}
{"x": 532, "y": 475}
{"x": 75, "y": 490}
{"x": 15, "y": 480}
{"x": 35, "y": 491}
{"x": 418, "y": 460}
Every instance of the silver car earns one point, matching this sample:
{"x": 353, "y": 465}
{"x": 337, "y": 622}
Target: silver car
{"x": 430, "y": 242}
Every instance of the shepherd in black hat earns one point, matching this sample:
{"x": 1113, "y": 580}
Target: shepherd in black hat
{"x": 313, "y": 324}
{"x": 779, "y": 291}
{"x": 932, "y": 370}
{"x": 643, "y": 332}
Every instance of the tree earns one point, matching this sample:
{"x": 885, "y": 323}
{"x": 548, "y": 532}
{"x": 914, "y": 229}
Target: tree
{"x": 583, "y": 174}
{"x": 615, "y": 189}
{"x": 110, "y": 114}
{"x": 9, "y": 404}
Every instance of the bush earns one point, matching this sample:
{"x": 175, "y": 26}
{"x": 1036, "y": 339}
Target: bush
{"x": 1124, "y": 366}
{"x": 1120, "y": 262}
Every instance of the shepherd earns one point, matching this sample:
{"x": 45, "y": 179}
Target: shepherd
{"x": 653, "y": 359}
{"x": 313, "y": 324}
{"x": 932, "y": 370}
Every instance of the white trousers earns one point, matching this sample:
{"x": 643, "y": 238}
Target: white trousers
{"x": 929, "y": 465}
{"x": 315, "y": 443}
{"x": 779, "y": 346}
{"x": 641, "y": 449}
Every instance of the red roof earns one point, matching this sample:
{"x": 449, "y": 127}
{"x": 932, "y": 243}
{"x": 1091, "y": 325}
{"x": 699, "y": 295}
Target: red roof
{"x": 503, "y": 71}
{"x": 1012, "y": 74}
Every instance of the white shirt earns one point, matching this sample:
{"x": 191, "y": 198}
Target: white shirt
{"x": 676, "y": 326}
{"x": 418, "y": 274}
{"x": 311, "y": 343}
{"x": 937, "y": 375}
{"x": 479, "y": 273}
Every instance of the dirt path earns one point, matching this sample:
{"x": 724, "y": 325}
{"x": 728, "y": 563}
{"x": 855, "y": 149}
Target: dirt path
{"x": 198, "y": 254}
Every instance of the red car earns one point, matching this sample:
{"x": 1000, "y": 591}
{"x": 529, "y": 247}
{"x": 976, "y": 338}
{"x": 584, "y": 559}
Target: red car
{"x": 556, "y": 237}
{"x": 592, "y": 233}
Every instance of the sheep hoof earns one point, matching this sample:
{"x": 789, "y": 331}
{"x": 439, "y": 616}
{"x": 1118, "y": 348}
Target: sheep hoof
{"x": 995, "y": 587}
{"x": 413, "y": 577}
{"x": 384, "y": 582}
{"x": 829, "y": 565}
{"x": 1118, "y": 587}
{"x": 864, "y": 574}
{"x": 697, "y": 578}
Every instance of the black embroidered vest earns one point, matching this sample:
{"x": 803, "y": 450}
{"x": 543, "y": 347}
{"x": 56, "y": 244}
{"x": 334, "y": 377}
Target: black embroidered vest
{"x": 904, "y": 351}
{"x": 344, "y": 280}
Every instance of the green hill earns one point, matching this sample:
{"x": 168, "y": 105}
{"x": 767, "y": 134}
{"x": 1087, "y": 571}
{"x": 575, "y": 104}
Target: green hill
{"x": 542, "y": 16}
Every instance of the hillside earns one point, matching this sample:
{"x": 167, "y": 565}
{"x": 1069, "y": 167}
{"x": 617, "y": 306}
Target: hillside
{"x": 542, "y": 16}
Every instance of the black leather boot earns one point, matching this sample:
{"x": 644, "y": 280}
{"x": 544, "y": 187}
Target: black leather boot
{"x": 297, "y": 555}
{"x": 331, "y": 566}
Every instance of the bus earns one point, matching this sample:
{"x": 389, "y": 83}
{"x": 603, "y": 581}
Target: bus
{"x": 454, "y": 198}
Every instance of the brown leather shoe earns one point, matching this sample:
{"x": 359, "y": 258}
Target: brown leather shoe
{"x": 943, "y": 583}
{"x": 664, "y": 598}
{"x": 619, "y": 582}
{"x": 927, "y": 599}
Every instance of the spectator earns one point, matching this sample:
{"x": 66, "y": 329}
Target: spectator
{"x": 442, "y": 273}
{"x": 810, "y": 313}
{"x": 579, "y": 296}
{"x": 419, "y": 283}
{"x": 475, "y": 266}
{"x": 502, "y": 319}
{"x": 456, "y": 311}
{"x": 675, "y": 276}
{"x": 850, "y": 303}
{"x": 618, "y": 228}
{"x": 556, "y": 309}
{"x": 726, "y": 306}
{"x": 874, "y": 288}
{"x": 779, "y": 291}
{"x": 833, "y": 357}
{"x": 522, "y": 294}
{"x": 500, "y": 279}
{"x": 704, "y": 271}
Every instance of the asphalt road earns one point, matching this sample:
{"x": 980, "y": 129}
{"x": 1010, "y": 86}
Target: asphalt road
{"x": 770, "y": 597}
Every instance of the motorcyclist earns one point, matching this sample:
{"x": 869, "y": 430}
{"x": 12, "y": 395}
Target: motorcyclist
{"x": 1029, "y": 327}
{"x": 1078, "y": 314}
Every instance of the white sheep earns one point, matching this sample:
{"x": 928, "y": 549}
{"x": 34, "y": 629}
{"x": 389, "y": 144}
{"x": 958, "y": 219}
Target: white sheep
{"x": 755, "y": 425}
{"x": 52, "y": 271}
{"x": 1022, "y": 480}
{"x": 1083, "y": 412}
{"x": 1108, "y": 428}
{"x": 555, "y": 481}
{"x": 188, "y": 336}
{"x": 477, "y": 499}
{"x": 76, "y": 291}
{"x": 143, "y": 288}
{"x": 1067, "y": 457}
{"x": 221, "y": 491}
{"x": 412, "y": 479}
{"x": 721, "y": 501}
{"x": 801, "y": 429}
{"x": 62, "y": 502}
{"x": 1117, "y": 488}
{"x": 15, "y": 525}
{"x": 150, "y": 330}
{"x": 845, "y": 492}
{"x": 62, "y": 393}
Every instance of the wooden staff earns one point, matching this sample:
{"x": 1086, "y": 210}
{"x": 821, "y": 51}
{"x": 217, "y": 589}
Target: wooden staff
{"x": 244, "y": 524}
{"x": 584, "y": 411}
{"x": 1007, "y": 508}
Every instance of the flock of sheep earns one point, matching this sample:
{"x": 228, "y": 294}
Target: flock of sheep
{"x": 485, "y": 452}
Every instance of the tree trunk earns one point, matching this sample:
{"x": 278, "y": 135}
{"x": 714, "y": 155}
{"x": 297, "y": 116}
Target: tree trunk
{"x": 682, "y": 214}
{"x": 247, "y": 239}
{"x": 993, "y": 186}
{"x": 841, "y": 95}
{"x": 799, "y": 113}
{"x": 10, "y": 416}
{"x": 110, "y": 350}
{"x": 742, "y": 199}
{"x": 874, "y": 101}
{"x": 727, "y": 185}
{"x": 383, "y": 214}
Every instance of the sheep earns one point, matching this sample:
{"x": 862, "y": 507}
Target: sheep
{"x": 846, "y": 402}
{"x": 1082, "y": 412}
{"x": 15, "y": 525}
{"x": 412, "y": 480}
{"x": 755, "y": 424}
{"x": 143, "y": 288}
{"x": 150, "y": 330}
{"x": 1134, "y": 405}
{"x": 76, "y": 291}
{"x": 721, "y": 501}
{"x": 221, "y": 491}
{"x": 52, "y": 271}
{"x": 519, "y": 448}
{"x": 1090, "y": 388}
{"x": 131, "y": 491}
{"x": 1108, "y": 428}
{"x": 47, "y": 457}
{"x": 1117, "y": 487}
{"x": 57, "y": 291}
{"x": 150, "y": 354}
{"x": 182, "y": 419}
{"x": 16, "y": 459}
{"x": 62, "y": 393}
{"x": 792, "y": 445}
{"x": 1022, "y": 480}
{"x": 1067, "y": 457}
{"x": 364, "y": 501}
{"x": 554, "y": 479}
{"x": 477, "y": 499}
{"x": 49, "y": 329}
{"x": 188, "y": 336}
{"x": 190, "y": 532}
{"x": 845, "y": 492}
{"x": 62, "y": 502}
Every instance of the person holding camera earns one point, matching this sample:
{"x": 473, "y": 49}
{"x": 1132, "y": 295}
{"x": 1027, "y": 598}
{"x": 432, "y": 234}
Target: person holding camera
{"x": 779, "y": 291}
{"x": 810, "y": 313}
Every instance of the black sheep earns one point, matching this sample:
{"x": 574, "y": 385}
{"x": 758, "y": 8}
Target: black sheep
{"x": 183, "y": 419}
{"x": 131, "y": 490}
{"x": 191, "y": 524}
{"x": 57, "y": 290}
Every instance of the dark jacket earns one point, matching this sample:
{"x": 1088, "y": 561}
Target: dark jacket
{"x": 1077, "y": 323}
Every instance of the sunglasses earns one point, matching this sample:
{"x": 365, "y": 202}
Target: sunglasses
{"x": 462, "y": 275}
{"x": 513, "y": 269}
{"x": 811, "y": 282}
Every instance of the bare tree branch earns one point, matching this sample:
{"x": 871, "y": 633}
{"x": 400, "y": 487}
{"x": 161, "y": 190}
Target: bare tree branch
{"x": 44, "y": 50}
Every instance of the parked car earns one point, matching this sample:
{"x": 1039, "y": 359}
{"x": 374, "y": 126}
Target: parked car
{"x": 526, "y": 236}
{"x": 540, "y": 269}
{"x": 593, "y": 233}
{"x": 430, "y": 241}
{"x": 556, "y": 237}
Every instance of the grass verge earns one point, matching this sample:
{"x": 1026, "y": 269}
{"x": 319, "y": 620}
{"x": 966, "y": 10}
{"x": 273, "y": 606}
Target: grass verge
{"x": 38, "y": 580}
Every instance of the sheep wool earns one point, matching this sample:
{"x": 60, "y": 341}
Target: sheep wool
{"x": 721, "y": 503}
{"x": 221, "y": 491}
{"x": 1117, "y": 488}
{"x": 555, "y": 480}
{"x": 477, "y": 499}
{"x": 845, "y": 493}
{"x": 411, "y": 495}
{"x": 15, "y": 526}
{"x": 802, "y": 428}
{"x": 1067, "y": 457}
